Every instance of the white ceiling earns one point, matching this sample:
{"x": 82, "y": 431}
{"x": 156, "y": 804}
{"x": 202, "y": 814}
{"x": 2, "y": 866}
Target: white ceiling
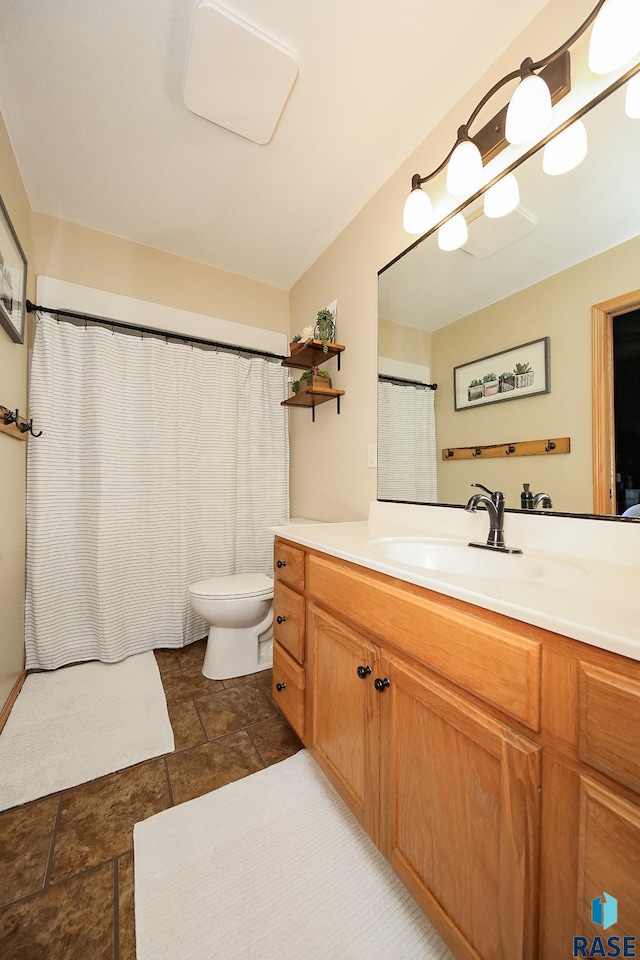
{"x": 92, "y": 96}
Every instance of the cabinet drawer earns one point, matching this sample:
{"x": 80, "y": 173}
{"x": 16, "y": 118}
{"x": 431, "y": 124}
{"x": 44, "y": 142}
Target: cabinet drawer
{"x": 289, "y": 564}
{"x": 496, "y": 663}
{"x": 289, "y": 675}
{"x": 609, "y": 726}
{"x": 288, "y": 620}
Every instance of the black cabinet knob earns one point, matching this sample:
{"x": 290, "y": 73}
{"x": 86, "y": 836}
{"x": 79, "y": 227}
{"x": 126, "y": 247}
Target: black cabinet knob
{"x": 281, "y": 619}
{"x": 280, "y": 564}
{"x": 363, "y": 672}
{"x": 280, "y": 686}
{"x": 381, "y": 685}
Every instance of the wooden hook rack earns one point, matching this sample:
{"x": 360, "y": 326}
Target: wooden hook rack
{"x": 14, "y": 425}
{"x": 521, "y": 448}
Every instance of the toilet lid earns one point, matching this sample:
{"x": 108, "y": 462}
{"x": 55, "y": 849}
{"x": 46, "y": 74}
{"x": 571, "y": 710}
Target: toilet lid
{"x": 237, "y": 585}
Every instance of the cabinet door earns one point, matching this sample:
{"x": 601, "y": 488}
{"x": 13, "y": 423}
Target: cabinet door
{"x": 590, "y": 846}
{"x": 343, "y": 712}
{"x": 460, "y": 815}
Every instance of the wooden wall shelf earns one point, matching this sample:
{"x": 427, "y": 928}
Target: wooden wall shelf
{"x": 312, "y": 355}
{"x": 521, "y": 448}
{"x": 312, "y": 397}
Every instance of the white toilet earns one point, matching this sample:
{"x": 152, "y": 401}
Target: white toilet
{"x": 239, "y": 610}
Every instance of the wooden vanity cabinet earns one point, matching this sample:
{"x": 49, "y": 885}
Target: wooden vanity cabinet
{"x": 495, "y": 764}
{"x": 289, "y": 630}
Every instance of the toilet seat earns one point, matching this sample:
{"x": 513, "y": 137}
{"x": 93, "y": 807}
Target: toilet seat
{"x": 236, "y": 586}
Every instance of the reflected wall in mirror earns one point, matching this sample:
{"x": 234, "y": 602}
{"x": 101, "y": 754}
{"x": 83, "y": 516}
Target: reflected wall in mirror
{"x": 571, "y": 244}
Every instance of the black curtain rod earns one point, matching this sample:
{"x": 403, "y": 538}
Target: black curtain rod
{"x": 152, "y": 331}
{"x": 408, "y": 383}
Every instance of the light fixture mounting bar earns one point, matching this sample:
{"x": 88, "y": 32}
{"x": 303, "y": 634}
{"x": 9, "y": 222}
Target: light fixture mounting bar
{"x": 491, "y": 140}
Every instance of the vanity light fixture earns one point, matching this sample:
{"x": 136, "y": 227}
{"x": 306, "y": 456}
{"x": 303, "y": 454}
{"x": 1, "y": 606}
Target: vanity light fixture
{"x": 565, "y": 151}
{"x": 502, "y": 198}
{"x": 615, "y": 39}
{"x": 453, "y": 233}
{"x": 632, "y": 98}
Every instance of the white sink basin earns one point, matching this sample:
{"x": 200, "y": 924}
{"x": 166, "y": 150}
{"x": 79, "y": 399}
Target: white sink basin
{"x": 452, "y": 556}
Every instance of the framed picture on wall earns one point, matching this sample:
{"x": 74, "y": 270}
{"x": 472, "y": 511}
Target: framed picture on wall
{"x": 521, "y": 371}
{"x": 13, "y": 279}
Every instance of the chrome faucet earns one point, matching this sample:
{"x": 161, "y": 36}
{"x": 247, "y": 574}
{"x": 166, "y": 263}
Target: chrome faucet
{"x": 543, "y": 500}
{"x": 493, "y": 502}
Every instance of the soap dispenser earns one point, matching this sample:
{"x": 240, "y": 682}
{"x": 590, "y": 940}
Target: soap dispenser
{"x": 526, "y": 498}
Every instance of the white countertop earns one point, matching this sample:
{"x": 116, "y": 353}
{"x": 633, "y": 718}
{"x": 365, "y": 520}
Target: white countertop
{"x": 580, "y": 595}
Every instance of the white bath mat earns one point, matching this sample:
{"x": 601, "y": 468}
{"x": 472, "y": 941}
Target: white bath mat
{"x": 76, "y": 724}
{"x": 272, "y": 867}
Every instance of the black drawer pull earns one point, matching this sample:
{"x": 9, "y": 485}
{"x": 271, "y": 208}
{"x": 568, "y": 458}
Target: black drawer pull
{"x": 363, "y": 672}
{"x": 381, "y": 685}
{"x": 280, "y": 686}
{"x": 281, "y": 619}
{"x": 280, "y": 564}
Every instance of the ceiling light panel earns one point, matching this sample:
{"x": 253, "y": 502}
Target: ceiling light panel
{"x": 237, "y": 77}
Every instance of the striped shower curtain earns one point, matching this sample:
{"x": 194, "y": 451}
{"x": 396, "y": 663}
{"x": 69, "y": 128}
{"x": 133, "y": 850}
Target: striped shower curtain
{"x": 159, "y": 464}
{"x": 407, "y": 465}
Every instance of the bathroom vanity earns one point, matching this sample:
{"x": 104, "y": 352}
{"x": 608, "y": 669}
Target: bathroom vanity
{"x": 494, "y": 761}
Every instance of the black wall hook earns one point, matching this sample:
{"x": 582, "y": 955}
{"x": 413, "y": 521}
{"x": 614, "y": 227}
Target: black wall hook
{"x": 28, "y": 427}
{"x": 10, "y": 417}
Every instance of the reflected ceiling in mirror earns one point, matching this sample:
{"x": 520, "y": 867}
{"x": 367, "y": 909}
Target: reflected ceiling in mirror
{"x": 571, "y": 243}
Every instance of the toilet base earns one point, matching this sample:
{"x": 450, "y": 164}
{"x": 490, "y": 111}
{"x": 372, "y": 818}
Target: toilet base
{"x": 237, "y": 652}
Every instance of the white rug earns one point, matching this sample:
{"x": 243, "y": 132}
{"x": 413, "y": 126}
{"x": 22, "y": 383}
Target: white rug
{"x": 272, "y": 867}
{"x": 76, "y": 724}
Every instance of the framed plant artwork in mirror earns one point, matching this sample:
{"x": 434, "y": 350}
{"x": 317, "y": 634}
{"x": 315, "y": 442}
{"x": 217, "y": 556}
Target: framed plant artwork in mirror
{"x": 13, "y": 279}
{"x": 521, "y": 371}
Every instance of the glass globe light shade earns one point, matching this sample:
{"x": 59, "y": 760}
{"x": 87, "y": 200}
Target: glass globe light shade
{"x": 529, "y": 111}
{"x": 464, "y": 170}
{"x": 632, "y": 98}
{"x": 565, "y": 151}
{"x": 453, "y": 233}
{"x": 615, "y": 36}
{"x": 418, "y": 212}
{"x": 502, "y": 197}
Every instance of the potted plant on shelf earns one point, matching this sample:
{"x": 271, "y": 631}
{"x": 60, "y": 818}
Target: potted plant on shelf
{"x": 296, "y": 343}
{"x": 325, "y": 328}
{"x": 313, "y": 378}
{"x": 490, "y": 384}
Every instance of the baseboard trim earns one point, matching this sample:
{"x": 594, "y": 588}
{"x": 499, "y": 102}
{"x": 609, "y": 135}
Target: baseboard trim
{"x": 13, "y": 696}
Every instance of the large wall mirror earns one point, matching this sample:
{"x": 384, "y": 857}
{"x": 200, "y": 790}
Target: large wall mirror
{"x": 532, "y": 277}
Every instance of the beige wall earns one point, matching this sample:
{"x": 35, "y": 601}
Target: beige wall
{"x": 329, "y": 475}
{"x": 396, "y": 341}
{"x": 560, "y": 308}
{"x": 13, "y": 393}
{"x": 77, "y": 254}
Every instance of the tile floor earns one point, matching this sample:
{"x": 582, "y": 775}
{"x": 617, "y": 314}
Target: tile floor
{"x": 66, "y": 861}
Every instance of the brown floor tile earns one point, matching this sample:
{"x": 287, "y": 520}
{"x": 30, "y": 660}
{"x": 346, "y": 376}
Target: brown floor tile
{"x": 96, "y": 820}
{"x": 189, "y": 683}
{"x": 239, "y": 681}
{"x": 25, "y": 842}
{"x": 73, "y": 921}
{"x": 234, "y": 709}
{"x": 275, "y": 740}
{"x": 168, "y": 662}
{"x": 202, "y": 769}
{"x": 264, "y": 680}
{"x": 126, "y": 916}
{"x": 193, "y": 654}
{"x": 187, "y": 729}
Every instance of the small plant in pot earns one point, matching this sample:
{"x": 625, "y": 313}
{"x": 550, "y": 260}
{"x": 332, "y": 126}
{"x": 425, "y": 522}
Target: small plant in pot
{"x": 296, "y": 343}
{"x": 523, "y": 375}
{"x": 507, "y": 381}
{"x": 475, "y": 390}
{"x": 313, "y": 378}
{"x": 490, "y": 384}
{"x": 325, "y": 328}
